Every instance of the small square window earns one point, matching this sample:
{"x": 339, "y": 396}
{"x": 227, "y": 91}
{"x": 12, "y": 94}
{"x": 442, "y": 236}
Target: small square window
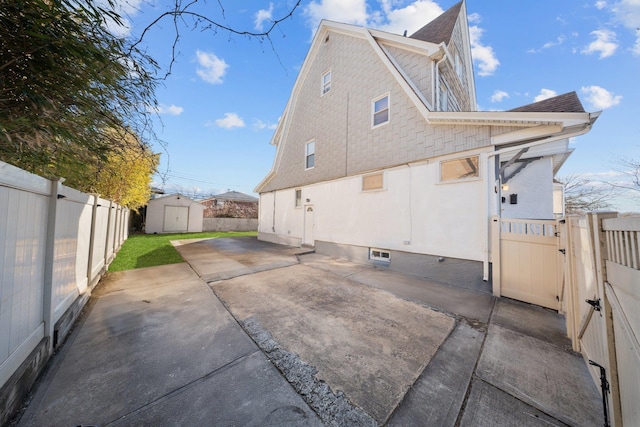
{"x": 457, "y": 169}
{"x": 310, "y": 155}
{"x": 298, "y": 198}
{"x": 326, "y": 82}
{"x": 381, "y": 111}
{"x": 373, "y": 182}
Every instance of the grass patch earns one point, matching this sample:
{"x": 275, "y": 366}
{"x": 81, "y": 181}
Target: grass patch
{"x": 149, "y": 250}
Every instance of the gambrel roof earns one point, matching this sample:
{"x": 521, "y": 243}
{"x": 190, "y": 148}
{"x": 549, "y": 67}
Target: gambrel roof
{"x": 399, "y": 60}
{"x": 440, "y": 29}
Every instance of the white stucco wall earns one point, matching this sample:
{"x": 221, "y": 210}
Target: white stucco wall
{"x": 534, "y": 187}
{"x": 155, "y": 213}
{"x": 413, "y": 213}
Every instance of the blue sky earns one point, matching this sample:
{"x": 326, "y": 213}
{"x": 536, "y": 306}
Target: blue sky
{"x": 225, "y": 94}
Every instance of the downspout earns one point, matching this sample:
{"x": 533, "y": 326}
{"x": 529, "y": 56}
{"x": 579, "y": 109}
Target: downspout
{"x": 497, "y": 189}
{"x": 437, "y": 103}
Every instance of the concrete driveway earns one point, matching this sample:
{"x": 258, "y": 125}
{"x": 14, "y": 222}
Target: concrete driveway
{"x": 405, "y": 350}
{"x": 289, "y": 337}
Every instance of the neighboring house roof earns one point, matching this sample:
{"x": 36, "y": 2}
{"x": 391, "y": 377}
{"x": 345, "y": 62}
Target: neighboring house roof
{"x": 440, "y": 29}
{"x": 566, "y": 103}
{"x": 170, "y": 196}
{"x": 234, "y": 196}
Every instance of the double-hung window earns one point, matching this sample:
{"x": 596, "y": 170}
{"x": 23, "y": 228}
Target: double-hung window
{"x": 380, "y": 107}
{"x": 326, "y": 82}
{"x": 310, "y": 154}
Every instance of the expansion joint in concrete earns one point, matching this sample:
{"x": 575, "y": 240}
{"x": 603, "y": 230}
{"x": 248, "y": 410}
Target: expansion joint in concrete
{"x": 183, "y": 388}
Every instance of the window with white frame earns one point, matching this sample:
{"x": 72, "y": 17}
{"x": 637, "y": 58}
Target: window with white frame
{"x": 310, "y": 154}
{"x": 298, "y": 197}
{"x": 379, "y": 255}
{"x": 459, "y": 169}
{"x": 326, "y": 82}
{"x": 380, "y": 109}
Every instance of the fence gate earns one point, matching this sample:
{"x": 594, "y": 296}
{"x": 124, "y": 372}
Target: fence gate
{"x": 527, "y": 261}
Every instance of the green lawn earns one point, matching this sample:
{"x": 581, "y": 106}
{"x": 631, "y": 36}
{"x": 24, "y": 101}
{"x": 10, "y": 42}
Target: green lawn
{"x": 148, "y": 250}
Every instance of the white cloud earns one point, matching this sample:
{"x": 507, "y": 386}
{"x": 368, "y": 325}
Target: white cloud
{"x": 601, "y": 4}
{"x": 600, "y": 98}
{"x": 260, "y": 125}
{"x": 628, "y": 12}
{"x": 483, "y": 55}
{"x": 263, "y": 15}
{"x": 212, "y": 69}
{"x": 545, "y": 94}
{"x": 127, "y": 9}
{"x": 605, "y": 43}
{"x": 561, "y": 39}
{"x": 230, "y": 121}
{"x": 172, "y": 110}
{"x": 346, "y": 11}
{"x": 474, "y": 18}
{"x": 499, "y": 95}
{"x": 410, "y": 18}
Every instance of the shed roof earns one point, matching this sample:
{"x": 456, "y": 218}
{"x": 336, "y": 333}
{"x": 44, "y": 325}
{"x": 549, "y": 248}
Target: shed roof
{"x": 565, "y": 103}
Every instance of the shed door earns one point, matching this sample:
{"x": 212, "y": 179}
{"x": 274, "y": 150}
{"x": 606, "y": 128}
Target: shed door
{"x": 176, "y": 218}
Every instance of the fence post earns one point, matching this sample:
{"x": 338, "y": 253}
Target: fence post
{"x": 600, "y": 249}
{"x": 92, "y": 239}
{"x": 495, "y": 255}
{"x": 49, "y": 251}
{"x": 571, "y": 317}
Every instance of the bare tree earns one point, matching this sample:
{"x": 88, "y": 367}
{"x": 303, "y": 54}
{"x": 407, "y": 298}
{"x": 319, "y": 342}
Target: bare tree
{"x": 584, "y": 195}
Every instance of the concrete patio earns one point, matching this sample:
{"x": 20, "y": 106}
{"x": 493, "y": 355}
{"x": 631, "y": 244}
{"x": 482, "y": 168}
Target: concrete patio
{"x": 294, "y": 338}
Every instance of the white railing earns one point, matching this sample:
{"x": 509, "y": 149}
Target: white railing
{"x": 55, "y": 243}
{"x": 542, "y": 228}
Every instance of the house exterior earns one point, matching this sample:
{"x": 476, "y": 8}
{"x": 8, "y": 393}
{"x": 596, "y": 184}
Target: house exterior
{"x": 381, "y": 155}
{"x": 174, "y": 213}
{"x": 232, "y": 204}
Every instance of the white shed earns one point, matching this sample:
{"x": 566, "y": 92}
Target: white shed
{"x": 174, "y": 213}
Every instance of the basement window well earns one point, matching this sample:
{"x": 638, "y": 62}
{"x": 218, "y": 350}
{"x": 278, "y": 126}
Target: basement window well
{"x": 379, "y": 255}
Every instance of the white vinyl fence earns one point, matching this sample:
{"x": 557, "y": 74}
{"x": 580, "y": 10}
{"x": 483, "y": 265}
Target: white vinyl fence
{"x": 601, "y": 300}
{"x": 55, "y": 243}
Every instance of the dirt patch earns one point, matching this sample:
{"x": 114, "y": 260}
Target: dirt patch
{"x": 363, "y": 342}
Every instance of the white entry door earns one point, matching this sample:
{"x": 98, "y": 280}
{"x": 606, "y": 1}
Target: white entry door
{"x": 308, "y": 239}
{"x": 176, "y": 218}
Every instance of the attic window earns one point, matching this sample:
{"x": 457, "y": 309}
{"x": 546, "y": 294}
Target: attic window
{"x": 459, "y": 169}
{"x": 380, "y": 110}
{"x": 326, "y": 82}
